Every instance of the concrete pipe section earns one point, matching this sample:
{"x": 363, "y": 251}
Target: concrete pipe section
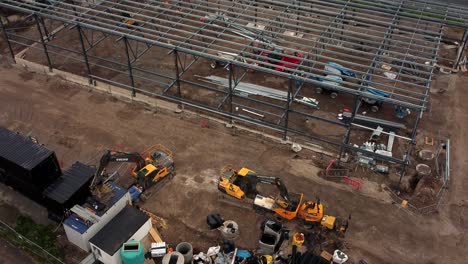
{"x": 423, "y": 170}
{"x": 186, "y": 250}
{"x": 229, "y": 230}
{"x": 173, "y": 258}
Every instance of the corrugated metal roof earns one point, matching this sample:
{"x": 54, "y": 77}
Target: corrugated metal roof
{"x": 72, "y": 180}
{"x": 119, "y": 230}
{"x": 21, "y": 150}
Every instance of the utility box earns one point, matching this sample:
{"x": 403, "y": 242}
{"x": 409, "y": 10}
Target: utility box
{"x": 26, "y": 166}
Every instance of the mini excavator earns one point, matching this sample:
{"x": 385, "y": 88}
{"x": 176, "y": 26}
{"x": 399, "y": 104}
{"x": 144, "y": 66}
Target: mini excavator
{"x": 150, "y": 167}
{"x": 242, "y": 184}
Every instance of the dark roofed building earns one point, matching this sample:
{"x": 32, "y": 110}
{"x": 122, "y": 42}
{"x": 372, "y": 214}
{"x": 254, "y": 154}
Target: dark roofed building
{"x": 26, "y": 166}
{"x": 21, "y": 150}
{"x": 70, "y": 189}
{"x": 130, "y": 223}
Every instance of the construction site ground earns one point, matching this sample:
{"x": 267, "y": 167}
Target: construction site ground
{"x": 79, "y": 125}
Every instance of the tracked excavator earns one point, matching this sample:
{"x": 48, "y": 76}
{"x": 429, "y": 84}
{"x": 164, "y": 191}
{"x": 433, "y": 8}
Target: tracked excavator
{"x": 151, "y": 166}
{"x": 242, "y": 185}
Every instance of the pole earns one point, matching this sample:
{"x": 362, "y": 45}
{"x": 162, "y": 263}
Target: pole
{"x": 298, "y": 3}
{"x": 177, "y": 80}
{"x": 286, "y": 118}
{"x": 230, "y": 88}
{"x": 5, "y": 35}
{"x": 357, "y": 104}
{"x": 44, "y": 46}
{"x": 130, "y": 71}
{"x": 46, "y": 32}
{"x": 461, "y": 49}
{"x": 255, "y": 19}
{"x": 85, "y": 54}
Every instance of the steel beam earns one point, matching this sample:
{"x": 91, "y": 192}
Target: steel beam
{"x": 129, "y": 67}
{"x": 177, "y": 77}
{"x": 7, "y": 39}
{"x": 213, "y": 57}
{"x": 187, "y": 28}
{"x": 44, "y": 45}
{"x": 85, "y": 54}
{"x": 291, "y": 83}
{"x": 410, "y": 76}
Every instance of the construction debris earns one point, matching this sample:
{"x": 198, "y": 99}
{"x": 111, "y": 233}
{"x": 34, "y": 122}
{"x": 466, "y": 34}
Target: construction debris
{"x": 429, "y": 141}
{"x": 372, "y": 122}
{"x": 155, "y": 235}
{"x": 246, "y": 89}
{"x": 156, "y": 220}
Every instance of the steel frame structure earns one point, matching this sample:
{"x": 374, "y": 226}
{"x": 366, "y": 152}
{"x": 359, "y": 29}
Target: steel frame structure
{"x": 362, "y": 35}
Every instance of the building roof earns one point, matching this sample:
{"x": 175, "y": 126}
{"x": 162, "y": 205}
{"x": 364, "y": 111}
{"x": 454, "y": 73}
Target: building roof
{"x": 21, "y": 150}
{"x": 73, "y": 179}
{"x": 119, "y": 230}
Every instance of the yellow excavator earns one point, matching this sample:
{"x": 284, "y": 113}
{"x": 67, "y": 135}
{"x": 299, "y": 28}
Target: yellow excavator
{"x": 151, "y": 166}
{"x": 242, "y": 184}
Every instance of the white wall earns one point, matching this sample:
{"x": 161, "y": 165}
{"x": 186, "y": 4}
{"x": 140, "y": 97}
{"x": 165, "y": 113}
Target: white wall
{"x": 76, "y": 238}
{"x": 104, "y": 257}
{"x": 82, "y": 240}
{"x": 143, "y": 231}
{"x": 116, "y": 258}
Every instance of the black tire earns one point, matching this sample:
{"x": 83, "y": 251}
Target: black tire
{"x": 309, "y": 225}
{"x": 213, "y": 65}
{"x": 319, "y": 90}
{"x": 262, "y": 225}
{"x": 260, "y": 211}
{"x": 375, "y": 108}
{"x": 278, "y": 219}
{"x": 334, "y": 95}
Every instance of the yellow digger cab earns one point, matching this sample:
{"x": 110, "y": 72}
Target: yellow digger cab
{"x": 244, "y": 172}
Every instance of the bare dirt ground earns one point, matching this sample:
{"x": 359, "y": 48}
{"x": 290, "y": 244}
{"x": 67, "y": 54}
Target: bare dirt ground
{"x": 11, "y": 255}
{"x": 80, "y": 124}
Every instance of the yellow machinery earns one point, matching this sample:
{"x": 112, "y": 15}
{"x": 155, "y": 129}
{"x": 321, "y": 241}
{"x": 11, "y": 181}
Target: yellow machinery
{"x": 298, "y": 239}
{"x": 230, "y": 181}
{"x": 159, "y": 164}
{"x": 243, "y": 183}
{"x": 265, "y": 259}
{"x": 152, "y": 165}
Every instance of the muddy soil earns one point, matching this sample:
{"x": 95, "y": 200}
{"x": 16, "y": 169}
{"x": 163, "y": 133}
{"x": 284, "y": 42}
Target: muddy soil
{"x": 80, "y": 125}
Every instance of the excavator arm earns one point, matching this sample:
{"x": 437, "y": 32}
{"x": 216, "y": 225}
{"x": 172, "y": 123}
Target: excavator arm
{"x": 116, "y": 156}
{"x": 279, "y": 184}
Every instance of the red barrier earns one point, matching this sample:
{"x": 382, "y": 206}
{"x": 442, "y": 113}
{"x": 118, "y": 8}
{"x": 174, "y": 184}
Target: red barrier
{"x": 355, "y": 183}
{"x": 329, "y": 166}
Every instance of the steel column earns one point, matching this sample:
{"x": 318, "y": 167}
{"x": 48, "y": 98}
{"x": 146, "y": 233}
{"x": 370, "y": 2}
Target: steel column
{"x": 461, "y": 49}
{"x": 46, "y": 32}
{"x": 291, "y": 83}
{"x": 85, "y": 54}
{"x": 357, "y": 104}
{"x": 5, "y": 35}
{"x": 231, "y": 73}
{"x": 129, "y": 65}
{"x": 177, "y": 77}
{"x": 44, "y": 45}
{"x": 187, "y": 28}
